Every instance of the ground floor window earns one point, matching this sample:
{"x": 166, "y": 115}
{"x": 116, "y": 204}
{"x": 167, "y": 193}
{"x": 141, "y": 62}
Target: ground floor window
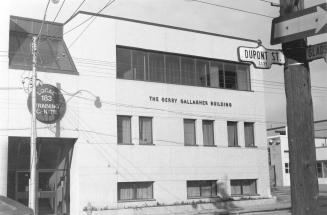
{"x": 243, "y": 187}
{"x": 322, "y": 169}
{"x": 128, "y": 191}
{"x": 201, "y": 189}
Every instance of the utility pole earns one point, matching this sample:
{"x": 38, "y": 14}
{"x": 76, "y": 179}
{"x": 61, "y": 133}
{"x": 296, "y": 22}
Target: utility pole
{"x": 302, "y": 154}
{"x": 33, "y": 153}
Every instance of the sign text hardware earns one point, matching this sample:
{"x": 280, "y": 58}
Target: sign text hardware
{"x": 317, "y": 51}
{"x": 260, "y": 57}
{"x": 299, "y": 25}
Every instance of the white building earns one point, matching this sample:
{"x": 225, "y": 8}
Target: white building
{"x": 180, "y": 118}
{"x": 279, "y": 160}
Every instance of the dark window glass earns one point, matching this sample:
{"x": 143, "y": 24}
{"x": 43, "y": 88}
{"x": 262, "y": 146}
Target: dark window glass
{"x": 230, "y": 76}
{"x": 213, "y": 76}
{"x": 208, "y": 132}
{"x": 201, "y": 189}
{"x": 189, "y": 132}
{"x": 319, "y": 169}
{"x": 124, "y": 130}
{"x": 156, "y": 67}
{"x": 249, "y": 134}
{"x": 139, "y": 65}
{"x": 187, "y": 71}
{"x": 202, "y": 73}
{"x": 232, "y": 134}
{"x": 124, "y": 63}
{"x": 135, "y": 191}
{"x": 145, "y": 126}
{"x": 172, "y": 69}
{"x": 243, "y": 77}
{"x": 244, "y": 187}
{"x": 287, "y": 168}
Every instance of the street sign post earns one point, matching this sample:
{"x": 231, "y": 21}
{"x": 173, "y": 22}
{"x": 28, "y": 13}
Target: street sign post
{"x": 317, "y": 51}
{"x": 299, "y": 25}
{"x": 260, "y": 57}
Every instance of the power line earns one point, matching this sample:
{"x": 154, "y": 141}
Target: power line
{"x": 77, "y": 9}
{"x": 59, "y": 11}
{"x": 232, "y": 8}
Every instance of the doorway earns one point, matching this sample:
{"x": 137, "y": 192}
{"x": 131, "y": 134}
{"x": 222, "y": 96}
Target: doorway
{"x": 53, "y": 168}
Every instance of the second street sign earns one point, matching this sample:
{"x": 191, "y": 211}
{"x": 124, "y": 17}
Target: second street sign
{"x": 317, "y": 51}
{"x": 260, "y": 57}
{"x": 305, "y": 23}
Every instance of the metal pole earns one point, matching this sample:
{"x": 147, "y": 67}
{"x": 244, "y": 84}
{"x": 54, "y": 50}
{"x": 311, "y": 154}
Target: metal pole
{"x": 33, "y": 153}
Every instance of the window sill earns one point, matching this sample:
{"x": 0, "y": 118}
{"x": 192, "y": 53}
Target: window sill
{"x": 202, "y": 197}
{"x": 135, "y": 200}
{"x": 243, "y": 195}
{"x": 234, "y": 146}
{"x": 210, "y": 145}
{"x": 251, "y": 146}
{"x": 126, "y": 144}
{"x": 191, "y": 145}
{"x": 147, "y": 144}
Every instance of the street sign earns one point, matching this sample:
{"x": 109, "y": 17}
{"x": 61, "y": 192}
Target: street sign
{"x": 305, "y": 23}
{"x": 317, "y": 51}
{"x": 260, "y": 57}
{"x": 50, "y": 104}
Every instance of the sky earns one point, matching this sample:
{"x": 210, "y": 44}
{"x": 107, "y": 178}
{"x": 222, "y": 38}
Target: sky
{"x": 248, "y": 19}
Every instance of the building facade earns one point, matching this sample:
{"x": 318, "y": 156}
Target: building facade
{"x": 279, "y": 160}
{"x": 155, "y": 114}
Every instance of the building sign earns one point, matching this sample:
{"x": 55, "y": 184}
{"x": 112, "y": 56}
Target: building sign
{"x": 50, "y": 104}
{"x": 317, "y": 51}
{"x": 298, "y": 25}
{"x": 260, "y": 57}
{"x": 190, "y": 101}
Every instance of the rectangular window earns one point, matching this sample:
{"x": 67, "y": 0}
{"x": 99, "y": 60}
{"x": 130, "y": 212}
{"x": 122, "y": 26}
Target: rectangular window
{"x": 139, "y": 65}
{"x": 232, "y": 134}
{"x": 249, "y": 134}
{"x": 208, "y": 132}
{"x": 161, "y": 67}
{"x": 287, "y": 168}
{"x": 173, "y": 69}
{"x": 156, "y": 67}
{"x": 187, "y": 71}
{"x": 129, "y": 191}
{"x": 124, "y": 131}
{"x": 201, "y": 189}
{"x": 243, "y": 187}
{"x": 322, "y": 169}
{"x": 145, "y": 128}
{"x": 189, "y": 132}
{"x": 124, "y": 63}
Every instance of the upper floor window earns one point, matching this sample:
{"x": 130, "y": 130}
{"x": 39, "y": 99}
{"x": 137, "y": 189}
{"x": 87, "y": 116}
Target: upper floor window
{"x": 189, "y": 132}
{"x": 145, "y": 128}
{"x": 249, "y": 134}
{"x": 161, "y": 67}
{"x": 124, "y": 130}
{"x": 53, "y": 55}
{"x": 208, "y": 132}
{"x": 135, "y": 191}
{"x": 232, "y": 134}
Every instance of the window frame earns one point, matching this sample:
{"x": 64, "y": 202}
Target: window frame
{"x": 151, "y": 131}
{"x": 201, "y": 184}
{"x": 242, "y": 185}
{"x": 213, "y": 132}
{"x": 221, "y": 73}
{"x": 194, "y": 132}
{"x": 135, "y": 185}
{"x": 252, "y": 124}
{"x": 236, "y": 130}
{"x": 130, "y": 133}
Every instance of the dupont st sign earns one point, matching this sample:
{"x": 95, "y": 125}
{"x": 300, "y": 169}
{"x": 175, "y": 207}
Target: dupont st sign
{"x": 260, "y": 57}
{"x": 305, "y": 23}
{"x": 317, "y": 51}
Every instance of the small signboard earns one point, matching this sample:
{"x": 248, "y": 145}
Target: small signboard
{"x": 317, "y": 51}
{"x": 260, "y": 57}
{"x": 305, "y": 23}
{"x": 50, "y": 104}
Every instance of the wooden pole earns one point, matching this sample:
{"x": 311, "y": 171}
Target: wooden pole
{"x": 302, "y": 154}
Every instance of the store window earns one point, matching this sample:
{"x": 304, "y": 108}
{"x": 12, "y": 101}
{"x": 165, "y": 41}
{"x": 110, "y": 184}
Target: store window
{"x": 232, "y": 134}
{"x": 208, "y": 132}
{"x": 201, "y": 189}
{"x": 124, "y": 130}
{"x": 53, "y": 55}
{"x": 243, "y": 187}
{"x": 189, "y": 132}
{"x": 249, "y": 134}
{"x": 145, "y": 128}
{"x": 135, "y": 191}
{"x": 145, "y": 65}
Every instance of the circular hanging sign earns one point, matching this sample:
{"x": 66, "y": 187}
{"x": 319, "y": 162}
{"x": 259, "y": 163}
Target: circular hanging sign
{"x": 50, "y": 104}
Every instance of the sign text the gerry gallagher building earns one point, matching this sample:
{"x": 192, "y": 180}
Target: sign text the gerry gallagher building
{"x": 190, "y": 101}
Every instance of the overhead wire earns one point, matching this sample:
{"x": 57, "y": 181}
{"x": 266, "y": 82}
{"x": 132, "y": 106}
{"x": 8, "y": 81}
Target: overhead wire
{"x": 58, "y": 11}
